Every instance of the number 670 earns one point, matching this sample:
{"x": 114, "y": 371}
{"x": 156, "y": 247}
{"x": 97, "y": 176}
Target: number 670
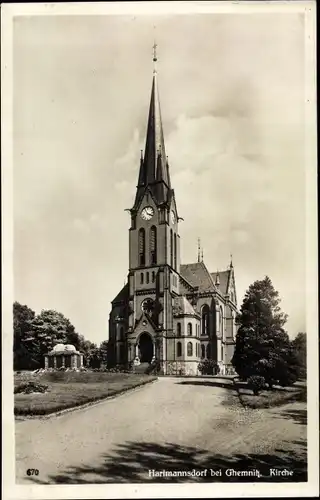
{"x": 32, "y": 472}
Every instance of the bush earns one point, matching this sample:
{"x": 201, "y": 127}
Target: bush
{"x": 29, "y": 387}
{"x": 256, "y": 383}
{"x": 208, "y": 367}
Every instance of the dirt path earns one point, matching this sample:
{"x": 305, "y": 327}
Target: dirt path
{"x": 173, "y": 424}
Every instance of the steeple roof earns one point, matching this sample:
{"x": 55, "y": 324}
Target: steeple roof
{"x": 154, "y": 169}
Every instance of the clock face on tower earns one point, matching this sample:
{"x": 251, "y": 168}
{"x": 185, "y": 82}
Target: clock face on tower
{"x": 173, "y": 217}
{"x": 147, "y": 213}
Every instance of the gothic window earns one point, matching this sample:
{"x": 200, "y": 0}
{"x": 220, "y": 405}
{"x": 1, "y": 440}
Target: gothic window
{"x": 147, "y": 306}
{"x": 147, "y": 277}
{"x": 205, "y": 320}
{"x": 153, "y": 276}
{"x": 189, "y": 349}
{"x": 142, "y": 247}
{"x": 179, "y": 349}
{"x": 179, "y": 329}
{"x": 141, "y": 278}
{"x": 175, "y": 251}
{"x": 221, "y": 321}
{"x": 171, "y": 248}
{"x": 189, "y": 329}
{"x": 208, "y": 351}
{"x": 203, "y": 351}
{"x": 153, "y": 245}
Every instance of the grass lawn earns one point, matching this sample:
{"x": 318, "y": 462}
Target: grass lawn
{"x": 272, "y": 397}
{"x": 71, "y": 389}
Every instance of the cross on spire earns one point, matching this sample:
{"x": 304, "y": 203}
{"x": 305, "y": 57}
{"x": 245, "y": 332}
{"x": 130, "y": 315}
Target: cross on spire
{"x": 155, "y": 52}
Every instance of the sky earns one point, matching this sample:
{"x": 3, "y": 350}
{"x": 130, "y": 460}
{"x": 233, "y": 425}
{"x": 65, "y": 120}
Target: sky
{"x": 232, "y": 100}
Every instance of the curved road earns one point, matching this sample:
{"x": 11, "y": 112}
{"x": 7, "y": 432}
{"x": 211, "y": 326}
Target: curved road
{"x": 171, "y": 424}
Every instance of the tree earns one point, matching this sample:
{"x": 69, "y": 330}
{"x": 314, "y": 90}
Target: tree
{"x": 35, "y": 335}
{"x": 23, "y": 348}
{"x": 50, "y": 328}
{"x": 262, "y": 345}
{"x": 104, "y": 352}
{"x": 89, "y": 350}
{"x": 299, "y": 346}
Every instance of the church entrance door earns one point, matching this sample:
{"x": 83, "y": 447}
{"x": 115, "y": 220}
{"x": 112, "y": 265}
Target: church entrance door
{"x": 145, "y": 348}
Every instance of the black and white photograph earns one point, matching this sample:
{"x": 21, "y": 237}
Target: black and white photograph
{"x": 160, "y": 324}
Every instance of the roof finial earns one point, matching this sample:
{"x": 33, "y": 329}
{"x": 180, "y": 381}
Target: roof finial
{"x": 231, "y": 264}
{"x": 154, "y": 57}
{"x": 217, "y": 283}
{"x": 155, "y": 51}
{"x": 198, "y": 249}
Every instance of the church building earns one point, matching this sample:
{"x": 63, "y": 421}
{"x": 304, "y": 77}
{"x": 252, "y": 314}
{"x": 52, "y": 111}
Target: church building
{"x": 171, "y": 313}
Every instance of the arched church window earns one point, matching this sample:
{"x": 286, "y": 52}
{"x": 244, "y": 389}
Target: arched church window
{"x": 208, "y": 351}
{"x": 171, "y": 248}
{"x": 222, "y": 353}
{"x": 153, "y": 276}
{"x": 153, "y": 245}
{"x": 179, "y": 329}
{"x": 203, "y": 351}
{"x": 189, "y": 329}
{"x": 189, "y": 349}
{"x": 141, "y": 278}
{"x": 142, "y": 247}
{"x": 179, "y": 349}
{"x": 147, "y": 277}
{"x": 175, "y": 251}
{"x": 205, "y": 320}
{"x": 221, "y": 321}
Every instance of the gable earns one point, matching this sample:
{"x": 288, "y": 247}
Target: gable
{"x": 123, "y": 295}
{"x": 224, "y": 280}
{"x": 144, "y": 323}
{"x": 198, "y": 276}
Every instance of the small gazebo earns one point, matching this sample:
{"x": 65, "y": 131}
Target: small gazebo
{"x": 63, "y": 356}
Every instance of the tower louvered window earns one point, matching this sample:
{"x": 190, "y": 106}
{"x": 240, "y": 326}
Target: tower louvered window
{"x": 142, "y": 247}
{"x": 171, "y": 248}
{"x": 153, "y": 245}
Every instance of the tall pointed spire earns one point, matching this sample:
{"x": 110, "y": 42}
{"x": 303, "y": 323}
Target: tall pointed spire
{"x": 154, "y": 171}
{"x": 231, "y": 263}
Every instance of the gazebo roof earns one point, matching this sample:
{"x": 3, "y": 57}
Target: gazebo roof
{"x": 63, "y": 349}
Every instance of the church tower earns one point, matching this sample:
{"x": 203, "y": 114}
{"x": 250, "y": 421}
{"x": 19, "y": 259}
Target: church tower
{"x": 171, "y": 315}
{"x": 154, "y": 244}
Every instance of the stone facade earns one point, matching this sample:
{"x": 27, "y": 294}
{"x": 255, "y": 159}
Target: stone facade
{"x": 178, "y": 314}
